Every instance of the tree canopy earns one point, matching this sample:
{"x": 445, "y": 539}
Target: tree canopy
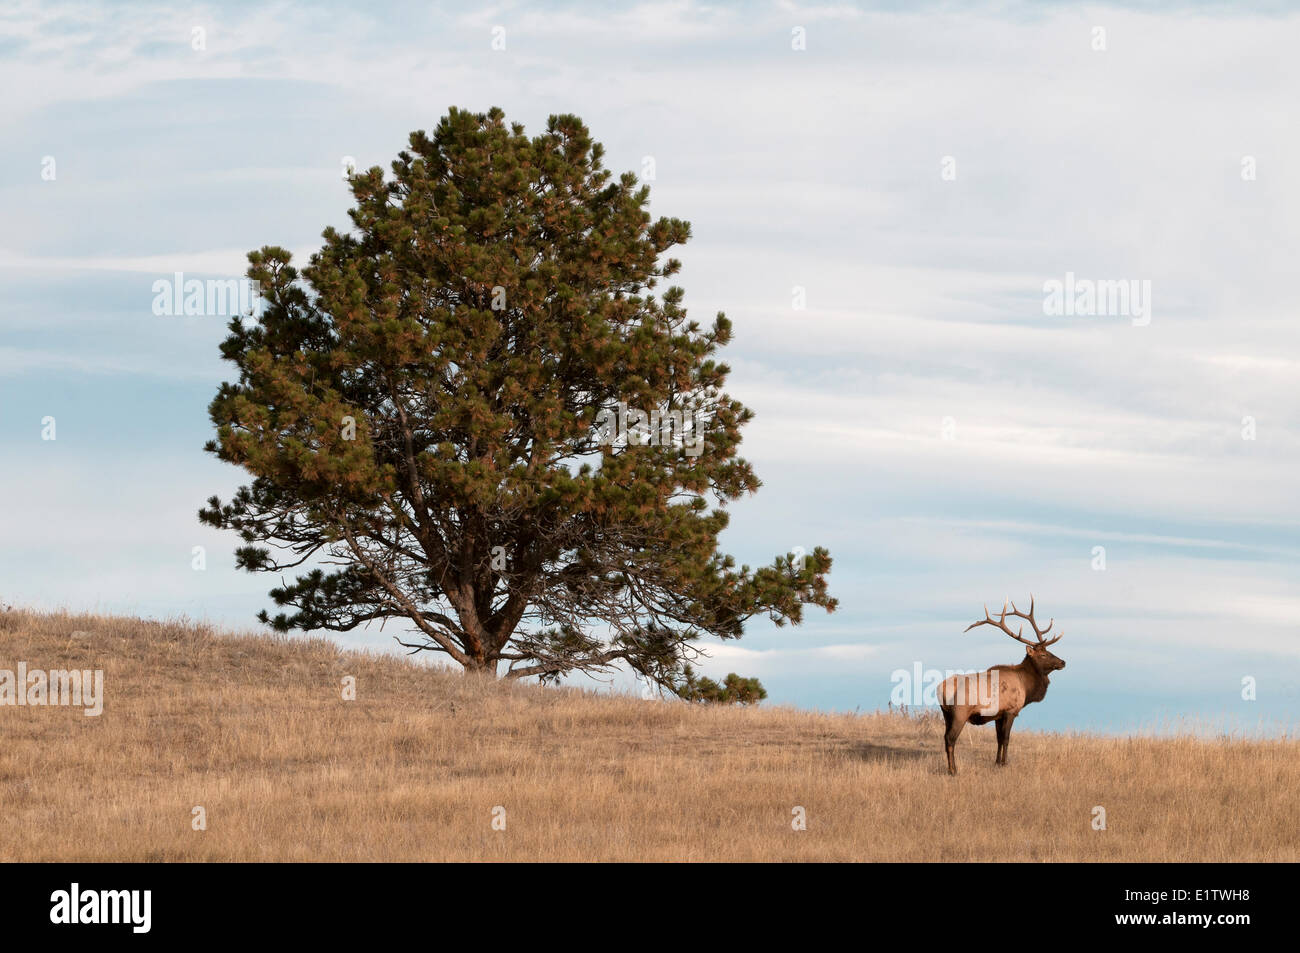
{"x": 472, "y": 412}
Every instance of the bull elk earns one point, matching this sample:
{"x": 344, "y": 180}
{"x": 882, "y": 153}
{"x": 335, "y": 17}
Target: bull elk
{"x": 999, "y": 693}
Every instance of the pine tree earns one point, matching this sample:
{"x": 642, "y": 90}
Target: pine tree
{"x": 475, "y": 411}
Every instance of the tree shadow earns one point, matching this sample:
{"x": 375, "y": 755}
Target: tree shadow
{"x": 874, "y": 752}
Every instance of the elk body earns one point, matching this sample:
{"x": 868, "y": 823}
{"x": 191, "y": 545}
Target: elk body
{"x": 999, "y": 693}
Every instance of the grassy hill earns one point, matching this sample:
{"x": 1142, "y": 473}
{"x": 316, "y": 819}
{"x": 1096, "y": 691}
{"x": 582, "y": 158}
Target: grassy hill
{"x": 254, "y": 730}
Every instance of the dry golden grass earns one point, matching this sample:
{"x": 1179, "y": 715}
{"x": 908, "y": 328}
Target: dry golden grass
{"x": 255, "y": 731}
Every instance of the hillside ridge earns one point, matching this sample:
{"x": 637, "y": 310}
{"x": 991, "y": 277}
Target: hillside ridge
{"x": 216, "y": 747}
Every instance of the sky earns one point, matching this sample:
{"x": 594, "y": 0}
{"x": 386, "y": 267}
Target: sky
{"x": 881, "y": 196}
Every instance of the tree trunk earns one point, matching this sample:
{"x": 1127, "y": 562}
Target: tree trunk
{"x": 483, "y": 667}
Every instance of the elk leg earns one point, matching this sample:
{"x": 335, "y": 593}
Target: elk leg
{"x": 952, "y": 729}
{"x": 1004, "y": 737}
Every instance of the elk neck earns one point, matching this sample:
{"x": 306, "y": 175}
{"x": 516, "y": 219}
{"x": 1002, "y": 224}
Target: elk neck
{"x": 1035, "y": 681}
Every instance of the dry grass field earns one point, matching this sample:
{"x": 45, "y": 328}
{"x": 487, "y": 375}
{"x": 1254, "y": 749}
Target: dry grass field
{"x": 255, "y": 731}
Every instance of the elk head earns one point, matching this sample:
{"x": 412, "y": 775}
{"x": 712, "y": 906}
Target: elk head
{"x": 1036, "y": 652}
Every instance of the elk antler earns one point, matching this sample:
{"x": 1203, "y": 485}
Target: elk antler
{"x": 1037, "y": 631}
{"x": 1001, "y": 623}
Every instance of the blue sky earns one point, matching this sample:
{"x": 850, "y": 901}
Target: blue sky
{"x": 922, "y": 417}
